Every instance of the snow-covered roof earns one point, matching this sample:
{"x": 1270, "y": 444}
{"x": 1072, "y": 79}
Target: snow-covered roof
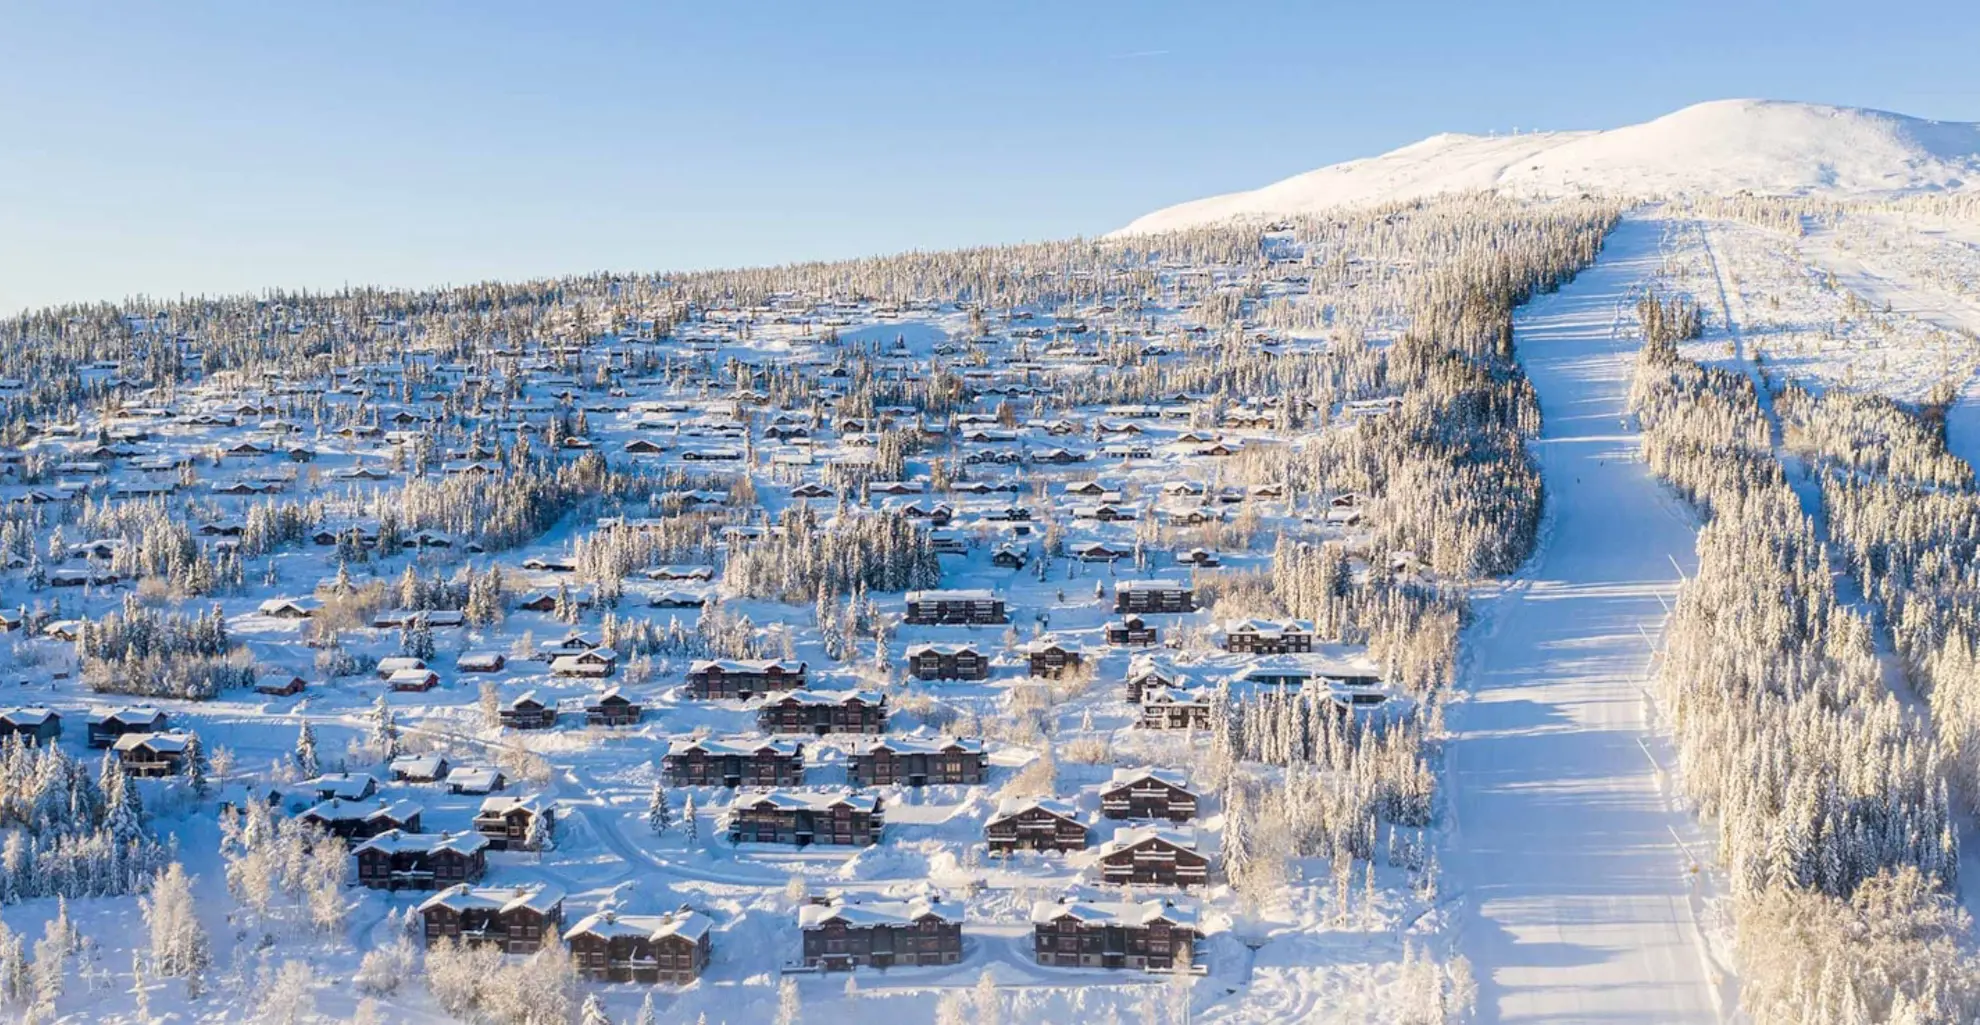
{"x": 687, "y": 924}
{"x": 865, "y": 914}
{"x": 394, "y": 841}
{"x": 541, "y": 898}
{"x": 1130, "y": 913}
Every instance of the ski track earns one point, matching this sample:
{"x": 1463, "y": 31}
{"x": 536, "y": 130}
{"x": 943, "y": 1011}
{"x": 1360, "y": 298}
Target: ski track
{"x": 1581, "y": 903}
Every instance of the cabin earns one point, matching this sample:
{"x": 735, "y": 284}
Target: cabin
{"x": 526, "y": 711}
{"x": 512, "y": 919}
{"x": 362, "y": 820}
{"x": 1113, "y": 934}
{"x": 1008, "y": 557}
{"x": 278, "y": 684}
{"x": 1053, "y": 660}
{"x": 611, "y": 707}
{"x": 593, "y": 663}
{"x": 341, "y": 786}
{"x": 803, "y": 818}
{"x": 955, "y": 607}
{"x": 1132, "y": 632}
{"x": 475, "y": 780}
{"x": 395, "y": 860}
{"x": 153, "y": 754}
{"x": 1171, "y": 708}
{"x": 1148, "y": 794}
{"x": 428, "y": 768}
{"x": 1153, "y": 596}
{"x": 287, "y": 608}
{"x": 34, "y": 725}
{"x": 1268, "y": 637}
{"x": 736, "y": 679}
{"x": 914, "y": 762}
{"x": 841, "y": 935}
{"x": 481, "y": 662}
{"x": 1153, "y": 856}
{"x": 106, "y": 726}
{"x": 947, "y": 662}
{"x": 413, "y": 680}
{"x": 1035, "y": 824}
{"x": 823, "y": 712}
{"x": 648, "y": 949}
{"x": 505, "y": 821}
{"x": 1099, "y": 551}
{"x": 735, "y": 762}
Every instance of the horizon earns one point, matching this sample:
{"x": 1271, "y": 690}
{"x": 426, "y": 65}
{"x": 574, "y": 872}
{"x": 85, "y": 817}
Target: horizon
{"x": 235, "y": 150}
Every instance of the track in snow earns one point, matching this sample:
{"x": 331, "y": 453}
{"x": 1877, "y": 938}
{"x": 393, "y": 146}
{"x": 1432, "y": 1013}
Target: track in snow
{"x": 1578, "y": 903}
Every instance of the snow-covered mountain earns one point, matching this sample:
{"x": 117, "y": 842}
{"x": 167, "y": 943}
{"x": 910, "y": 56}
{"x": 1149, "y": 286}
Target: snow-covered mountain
{"x": 1721, "y": 147}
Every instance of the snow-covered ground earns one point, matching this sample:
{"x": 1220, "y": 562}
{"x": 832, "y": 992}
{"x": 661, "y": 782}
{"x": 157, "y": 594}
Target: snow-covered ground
{"x": 1576, "y": 871}
{"x": 1718, "y": 148}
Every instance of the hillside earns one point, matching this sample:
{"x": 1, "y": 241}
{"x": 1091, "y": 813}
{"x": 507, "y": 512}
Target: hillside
{"x": 1717, "y": 148}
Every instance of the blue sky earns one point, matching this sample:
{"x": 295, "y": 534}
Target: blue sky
{"x": 218, "y": 146}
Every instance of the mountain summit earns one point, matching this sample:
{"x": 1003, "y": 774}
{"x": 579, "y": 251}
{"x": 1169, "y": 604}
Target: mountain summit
{"x": 1716, "y": 148}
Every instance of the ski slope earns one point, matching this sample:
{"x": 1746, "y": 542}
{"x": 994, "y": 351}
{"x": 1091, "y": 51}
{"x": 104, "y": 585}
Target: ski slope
{"x": 1571, "y": 863}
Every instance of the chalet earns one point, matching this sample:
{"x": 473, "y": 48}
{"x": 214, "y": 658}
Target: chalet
{"x": 428, "y": 768}
{"x": 1153, "y": 856}
{"x": 947, "y": 662}
{"x": 573, "y": 643}
{"x": 1148, "y": 794}
{"x": 152, "y": 754}
{"x": 395, "y": 860}
{"x": 672, "y": 948}
{"x": 512, "y": 919}
{"x": 287, "y": 608}
{"x": 362, "y": 820}
{"x": 1268, "y": 637}
{"x": 1007, "y": 557}
{"x": 481, "y": 662}
{"x": 1151, "y": 596}
{"x": 803, "y": 818}
{"x": 1124, "y": 934}
{"x": 106, "y": 726}
{"x": 550, "y": 565}
{"x": 914, "y": 762}
{"x": 526, "y": 711}
{"x": 955, "y": 607}
{"x": 1198, "y": 557}
{"x": 811, "y": 489}
{"x": 590, "y": 664}
{"x": 821, "y": 712}
{"x": 1098, "y": 551}
{"x": 1168, "y": 708}
{"x": 1131, "y": 632}
{"x": 1053, "y": 660}
{"x": 611, "y": 707}
{"x": 1035, "y": 824}
{"x": 475, "y": 779}
{"x": 341, "y": 786}
{"x": 736, "y": 762}
{"x": 880, "y": 934}
{"x": 33, "y": 725}
{"x": 413, "y": 680}
{"x": 278, "y": 684}
{"x": 710, "y": 679}
{"x": 505, "y": 821}
{"x": 394, "y": 663}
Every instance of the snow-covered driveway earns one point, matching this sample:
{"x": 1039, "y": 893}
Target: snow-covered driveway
{"x": 1578, "y": 907}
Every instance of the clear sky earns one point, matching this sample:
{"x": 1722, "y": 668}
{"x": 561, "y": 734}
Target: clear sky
{"x": 170, "y": 148}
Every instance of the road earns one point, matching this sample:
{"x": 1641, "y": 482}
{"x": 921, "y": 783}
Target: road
{"x": 1571, "y": 862}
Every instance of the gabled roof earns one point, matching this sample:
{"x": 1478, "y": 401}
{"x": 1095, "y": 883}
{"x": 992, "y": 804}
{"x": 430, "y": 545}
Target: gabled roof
{"x": 1129, "y": 913}
{"x": 865, "y": 914}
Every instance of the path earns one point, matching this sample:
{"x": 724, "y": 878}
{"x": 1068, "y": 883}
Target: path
{"x": 1578, "y": 906}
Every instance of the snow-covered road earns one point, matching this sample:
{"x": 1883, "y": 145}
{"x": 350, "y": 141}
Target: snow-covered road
{"x": 1570, "y": 861}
